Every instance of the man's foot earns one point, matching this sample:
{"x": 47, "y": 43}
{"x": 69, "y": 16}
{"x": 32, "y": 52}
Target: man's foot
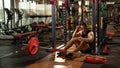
{"x": 69, "y": 56}
{"x": 72, "y": 55}
{"x": 61, "y": 53}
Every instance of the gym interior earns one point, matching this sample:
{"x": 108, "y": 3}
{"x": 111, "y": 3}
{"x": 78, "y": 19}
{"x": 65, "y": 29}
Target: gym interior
{"x": 33, "y": 33}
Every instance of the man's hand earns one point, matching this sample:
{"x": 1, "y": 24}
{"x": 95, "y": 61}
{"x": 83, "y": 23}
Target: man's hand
{"x": 80, "y": 39}
{"x": 77, "y": 27}
{"x": 74, "y": 33}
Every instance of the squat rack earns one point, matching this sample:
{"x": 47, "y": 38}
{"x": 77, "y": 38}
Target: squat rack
{"x": 95, "y": 23}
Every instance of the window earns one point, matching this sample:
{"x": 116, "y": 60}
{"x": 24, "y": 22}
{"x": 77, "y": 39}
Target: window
{"x": 7, "y": 4}
{"x": 1, "y": 11}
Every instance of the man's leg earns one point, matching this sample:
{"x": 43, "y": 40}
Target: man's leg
{"x": 77, "y": 43}
{"x": 70, "y": 43}
{"x": 82, "y": 46}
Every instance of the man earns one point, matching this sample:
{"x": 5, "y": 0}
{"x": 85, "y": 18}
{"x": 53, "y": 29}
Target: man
{"x": 82, "y": 38}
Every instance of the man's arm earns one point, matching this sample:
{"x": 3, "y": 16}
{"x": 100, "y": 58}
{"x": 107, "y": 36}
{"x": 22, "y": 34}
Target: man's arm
{"x": 74, "y": 33}
{"x": 90, "y": 37}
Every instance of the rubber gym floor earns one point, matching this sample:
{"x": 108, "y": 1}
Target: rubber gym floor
{"x": 10, "y": 59}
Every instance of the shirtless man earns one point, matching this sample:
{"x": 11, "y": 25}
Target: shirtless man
{"x": 82, "y": 38}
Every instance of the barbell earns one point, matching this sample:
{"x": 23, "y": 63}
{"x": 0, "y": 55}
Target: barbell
{"x": 33, "y": 46}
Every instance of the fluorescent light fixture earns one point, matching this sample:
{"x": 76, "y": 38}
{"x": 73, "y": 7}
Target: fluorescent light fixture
{"x": 79, "y": 2}
{"x": 86, "y": 2}
{"x": 110, "y": 2}
{"x": 59, "y": 2}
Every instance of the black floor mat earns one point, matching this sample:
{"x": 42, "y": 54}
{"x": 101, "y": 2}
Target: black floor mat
{"x": 10, "y": 59}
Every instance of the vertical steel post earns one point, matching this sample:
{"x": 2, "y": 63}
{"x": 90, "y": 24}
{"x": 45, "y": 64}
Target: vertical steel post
{"x": 95, "y": 25}
{"x": 99, "y": 29}
{"x": 64, "y": 24}
{"x": 13, "y": 18}
{"x": 82, "y": 13}
{"x": 53, "y": 26}
{"x": 4, "y": 10}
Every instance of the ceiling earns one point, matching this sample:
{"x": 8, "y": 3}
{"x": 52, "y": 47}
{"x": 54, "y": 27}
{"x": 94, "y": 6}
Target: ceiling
{"x": 77, "y": 0}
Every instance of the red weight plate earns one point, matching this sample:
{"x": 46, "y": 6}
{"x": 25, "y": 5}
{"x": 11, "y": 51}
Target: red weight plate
{"x": 33, "y": 45}
{"x": 95, "y": 60}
